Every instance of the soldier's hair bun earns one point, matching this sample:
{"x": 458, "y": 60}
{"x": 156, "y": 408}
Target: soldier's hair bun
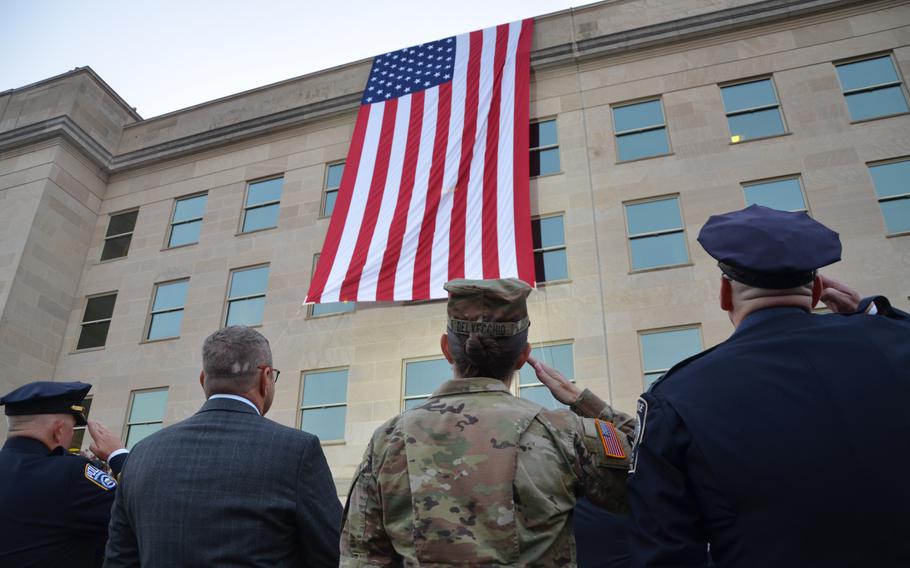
{"x": 482, "y": 349}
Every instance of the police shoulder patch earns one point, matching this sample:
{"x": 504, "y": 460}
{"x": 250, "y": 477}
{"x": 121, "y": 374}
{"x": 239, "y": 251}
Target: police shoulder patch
{"x": 99, "y": 477}
{"x": 642, "y": 411}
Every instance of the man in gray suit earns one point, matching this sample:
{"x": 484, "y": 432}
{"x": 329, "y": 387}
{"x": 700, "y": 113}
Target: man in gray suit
{"x": 227, "y": 487}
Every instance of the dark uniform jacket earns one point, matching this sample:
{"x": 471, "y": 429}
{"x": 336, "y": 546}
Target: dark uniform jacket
{"x": 54, "y": 507}
{"x": 784, "y": 446}
{"x": 226, "y": 487}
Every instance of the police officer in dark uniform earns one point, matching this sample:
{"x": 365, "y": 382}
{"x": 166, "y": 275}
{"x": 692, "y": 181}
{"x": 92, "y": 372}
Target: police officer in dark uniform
{"x": 54, "y": 507}
{"x": 787, "y": 444}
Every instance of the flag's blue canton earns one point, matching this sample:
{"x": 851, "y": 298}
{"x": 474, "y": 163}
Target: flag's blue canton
{"x": 410, "y": 70}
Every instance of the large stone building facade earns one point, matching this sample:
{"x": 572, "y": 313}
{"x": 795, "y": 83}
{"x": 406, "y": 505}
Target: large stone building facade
{"x": 124, "y": 242}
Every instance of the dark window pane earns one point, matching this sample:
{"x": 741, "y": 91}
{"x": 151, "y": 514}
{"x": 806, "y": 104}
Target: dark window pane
{"x": 784, "y": 194}
{"x": 881, "y": 102}
{"x": 169, "y": 296}
{"x": 122, "y": 223}
{"x": 551, "y": 265}
{"x": 333, "y": 176}
{"x": 148, "y": 406}
{"x": 330, "y": 197}
{"x": 891, "y": 179}
{"x": 662, "y": 350}
{"x": 246, "y": 312}
{"x": 548, "y": 232}
{"x": 332, "y": 308}
{"x": 260, "y": 218}
{"x": 185, "y": 234}
{"x": 541, "y": 395}
{"x": 191, "y": 208}
{"x": 662, "y": 250}
{"x": 653, "y": 216}
{"x": 867, "y": 73}
{"x": 327, "y": 387}
{"x": 748, "y": 95}
{"x": 897, "y": 215}
{"x": 165, "y": 324}
{"x": 424, "y": 377}
{"x": 93, "y": 335}
{"x": 559, "y": 357}
{"x": 138, "y": 432}
{"x": 249, "y": 282}
{"x": 544, "y": 162}
{"x": 99, "y": 307}
{"x": 76, "y": 444}
{"x": 759, "y": 124}
{"x": 268, "y": 190}
{"x": 641, "y": 115}
{"x": 642, "y": 145}
{"x": 324, "y": 423}
{"x": 116, "y": 247}
{"x": 543, "y": 134}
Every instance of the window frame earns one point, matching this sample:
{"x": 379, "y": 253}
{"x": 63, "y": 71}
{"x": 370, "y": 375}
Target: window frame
{"x": 117, "y": 236}
{"x": 151, "y": 311}
{"x": 127, "y": 424}
{"x": 629, "y": 237}
{"x": 564, "y": 246}
{"x": 227, "y": 293}
{"x": 301, "y": 407}
{"x": 617, "y": 133}
{"x": 641, "y": 347}
{"x": 540, "y": 345}
{"x": 246, "y": 208}
{"x": 326, "y": 189}
{"x": 777, "y": 105}
{"x": 868, "y": 57}
{"x": 539, "y": 149}
{"x": 404, "y": 378}
{"x": 799, "y": 180}
{"x": 312, "y": 307}
{"x": 84, "y": 323}
{"x": 170, "y": 228}
{"x": 879, "y": 200}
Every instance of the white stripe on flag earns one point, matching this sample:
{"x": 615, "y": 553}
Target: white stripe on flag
{"x": 404, "y": 274}
{"x": 370, "y": 277}
{"x": 505, "y": 200}
{"x": 358, "y": 205}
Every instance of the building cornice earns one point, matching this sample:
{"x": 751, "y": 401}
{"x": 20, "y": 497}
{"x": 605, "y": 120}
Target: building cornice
{"x": 58, "y": 127}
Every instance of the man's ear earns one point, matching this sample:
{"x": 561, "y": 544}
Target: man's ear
{"x": 817, "y": 289}
{"x": 202, "y": 379}
{"x": 524, "y": 357}
{"x": 444, "y": 345}
{"x": 265, "y": 377}
{"x": 726, "y": 295}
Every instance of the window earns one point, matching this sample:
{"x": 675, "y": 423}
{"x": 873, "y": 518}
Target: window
{"x": 329, "y": 308}
{"x": 872, "y": 88}
{"x": 557, "y": 356}
{"x": 119, "y": 234}
{"x": 544, "y": 150}
{"x": 752, "y": 110}
{"x": 246, "y": 296}
{"x": 167, "y": 310}
{"x": 422, "y": 378}
{"x": 656, "y": 235}
{"x": 96, "y": 320}
{"x": 783, "y": 194}
{"x": 79, "y": 431}
{"x": 548, "y": 235}
{"x": 263, "y": 199}
{"x": 892, "y": 186}
{"x": 146, "y": 415}
{"x": 333, "y": 175}
{"x": 186, "y": 221}
{"x": 323, "y": 405}
{"x": 641, "y": 131}
{"x": 660, "y": 350}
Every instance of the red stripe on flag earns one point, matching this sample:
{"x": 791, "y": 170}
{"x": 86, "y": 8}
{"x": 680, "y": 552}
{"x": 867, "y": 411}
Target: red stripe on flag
{"x": 524, "y": 252}
{"x": 342, "y": 204}
{"x": 490, "y": 242}
{"x": 421, "y": 285}
{"x": 385, "y": 288}
{"x": 351, "y": 282}
{"x": 460, "y": 202}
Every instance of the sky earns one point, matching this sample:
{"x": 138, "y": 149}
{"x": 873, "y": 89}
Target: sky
{"x": 164, "y": 55}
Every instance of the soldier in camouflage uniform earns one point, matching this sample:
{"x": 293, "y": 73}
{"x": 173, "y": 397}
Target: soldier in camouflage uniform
{"x": 475, "y": 476}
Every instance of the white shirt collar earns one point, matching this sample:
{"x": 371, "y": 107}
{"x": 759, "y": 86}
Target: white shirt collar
{"x": 238, "y": 398}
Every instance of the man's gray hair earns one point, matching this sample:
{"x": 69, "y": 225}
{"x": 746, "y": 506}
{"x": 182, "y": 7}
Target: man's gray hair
{"x": 231, "y": 355}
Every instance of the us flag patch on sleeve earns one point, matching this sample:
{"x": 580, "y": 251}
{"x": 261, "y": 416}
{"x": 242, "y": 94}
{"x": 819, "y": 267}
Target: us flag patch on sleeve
{"x": 610, "y": 438}
{"x": 99, "y": 478}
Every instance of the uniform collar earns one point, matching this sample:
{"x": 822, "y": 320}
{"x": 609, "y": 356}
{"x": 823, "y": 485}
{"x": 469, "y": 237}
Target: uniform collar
{"x": 26, "y": 445}
{"x": 761, "y": 316}
{"x": 474, "y": 384}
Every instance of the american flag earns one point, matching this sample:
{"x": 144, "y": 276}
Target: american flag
{"x": 435, "y": 185}
{"x": 610, "y": 438}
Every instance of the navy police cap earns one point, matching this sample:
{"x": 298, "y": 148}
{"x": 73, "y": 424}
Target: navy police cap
{"x": 768, "y": 248}
{"x": 48, "y": 397}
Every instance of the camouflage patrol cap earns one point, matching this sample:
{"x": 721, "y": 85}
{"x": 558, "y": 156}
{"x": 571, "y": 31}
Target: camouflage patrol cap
{"x": 496, "y": 308}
